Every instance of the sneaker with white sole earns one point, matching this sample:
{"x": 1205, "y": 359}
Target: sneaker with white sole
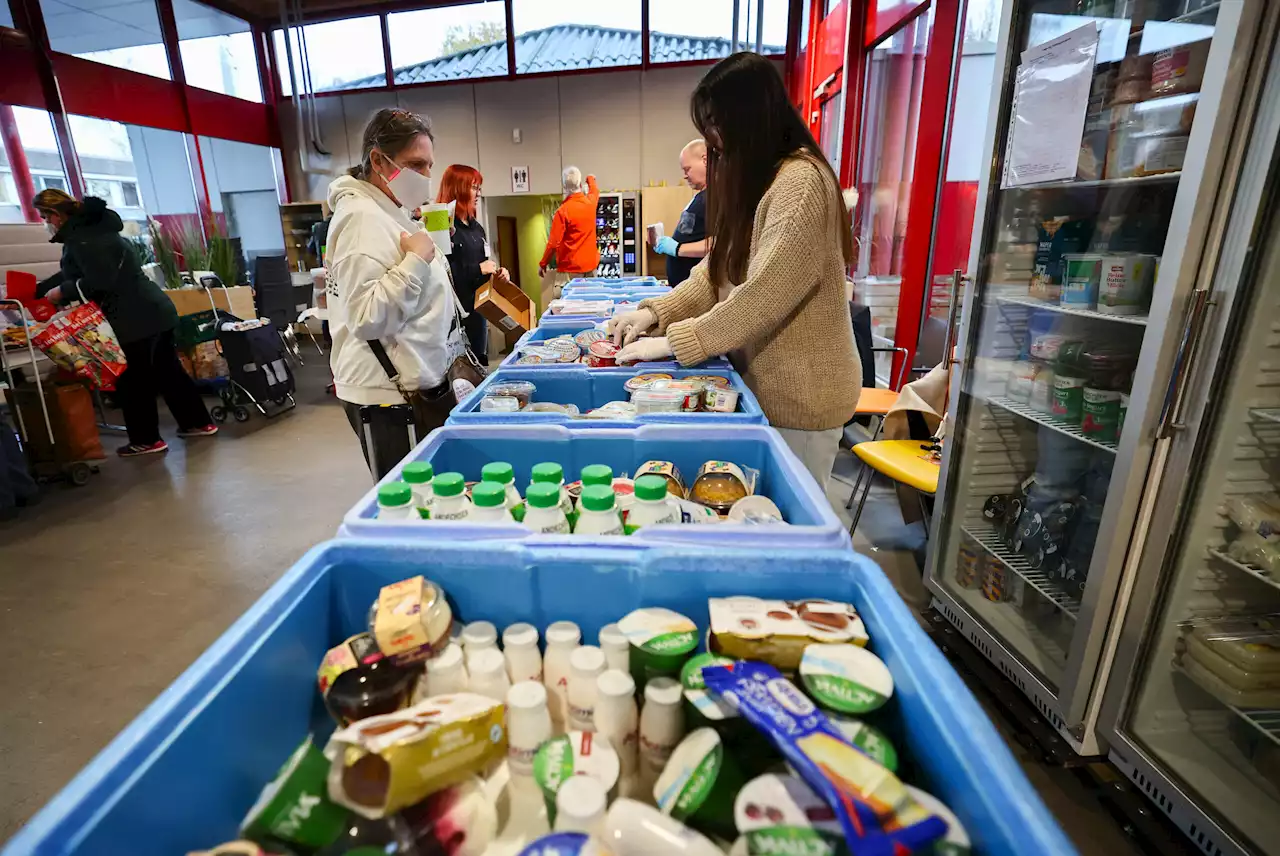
{"x": 133, "y": 450}
{"x": 203, "y": 431}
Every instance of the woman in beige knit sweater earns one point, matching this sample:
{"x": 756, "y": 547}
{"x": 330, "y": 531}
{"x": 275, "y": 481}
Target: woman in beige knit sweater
{"x": 771, "y": 293}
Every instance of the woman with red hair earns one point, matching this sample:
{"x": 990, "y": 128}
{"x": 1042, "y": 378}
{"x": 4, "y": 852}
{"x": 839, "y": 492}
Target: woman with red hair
{"x": 469, "y": 261}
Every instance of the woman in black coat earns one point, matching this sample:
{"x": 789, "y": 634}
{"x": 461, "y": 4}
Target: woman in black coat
{"x": 469, "y": 262}
{"x": 98, "y": 264}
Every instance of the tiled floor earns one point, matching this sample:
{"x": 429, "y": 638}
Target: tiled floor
{"x": 109, "y": 591}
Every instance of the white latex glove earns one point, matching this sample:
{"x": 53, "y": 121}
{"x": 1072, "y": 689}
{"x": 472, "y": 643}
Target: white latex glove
{"x": 625, "y": 328}
{"x": 645, "y": 351}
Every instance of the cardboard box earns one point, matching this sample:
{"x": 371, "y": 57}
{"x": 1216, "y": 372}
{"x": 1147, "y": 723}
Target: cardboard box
{"x": 506, "y": 306}
{"x": 238, "y": 300}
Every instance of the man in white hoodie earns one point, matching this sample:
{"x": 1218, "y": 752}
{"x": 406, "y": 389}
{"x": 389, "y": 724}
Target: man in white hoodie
{"x": 389, "y": 284}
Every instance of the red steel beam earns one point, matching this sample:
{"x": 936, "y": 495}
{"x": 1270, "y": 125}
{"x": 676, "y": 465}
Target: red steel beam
{"x": 18, "y": 163}
{"x": 169, "y": 32}
{"x": 29, "y": 17}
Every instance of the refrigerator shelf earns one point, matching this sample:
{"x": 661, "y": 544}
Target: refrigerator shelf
{"x": 1140, "y": 320}
{"x": 1271, "y": 414}
{"x": 1185, "y": 18}
{"x": 1099, "y": 182}
{"x": 1051, "y": 591}
{"x": 1253, "y": 571}
{"x": 1265, "y": 721}
{"x": 1060, "y": 425}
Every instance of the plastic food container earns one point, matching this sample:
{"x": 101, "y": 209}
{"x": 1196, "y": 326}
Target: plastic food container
{"x": 658, "y": 400}
{"x": 602, "y": 354}
{"x": 521, "y": 390}
{"x": 499, "y": 404}
{"x": 626, "y": 449}
{"x": 720, "y": 400}
{"x": 644, "y": 381}
{"x": 176, "y": 761}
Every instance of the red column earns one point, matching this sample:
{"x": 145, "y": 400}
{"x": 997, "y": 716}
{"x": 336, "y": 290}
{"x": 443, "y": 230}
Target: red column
{"x": 18, "y": 163}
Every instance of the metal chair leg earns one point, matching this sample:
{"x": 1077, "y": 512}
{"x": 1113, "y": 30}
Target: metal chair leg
{"x": 866, "y": 489}
{"x": 924, "y": 514}
{"x": 857, "y": 483}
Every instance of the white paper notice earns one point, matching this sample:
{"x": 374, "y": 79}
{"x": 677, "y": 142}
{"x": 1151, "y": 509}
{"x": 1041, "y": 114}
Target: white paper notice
{"x": 1050, "y": 99}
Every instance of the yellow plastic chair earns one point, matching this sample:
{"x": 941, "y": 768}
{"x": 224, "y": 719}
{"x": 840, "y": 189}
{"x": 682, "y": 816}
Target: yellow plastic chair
{"x": 908, "y": 462}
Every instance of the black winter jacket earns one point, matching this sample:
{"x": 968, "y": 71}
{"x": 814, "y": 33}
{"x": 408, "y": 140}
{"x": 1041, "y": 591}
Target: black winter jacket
{"x": 96, "y": 255}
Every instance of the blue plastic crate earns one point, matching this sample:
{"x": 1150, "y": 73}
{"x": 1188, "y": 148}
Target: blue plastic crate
{"x": 553, "y": 326}
{"x": 613, "y": 281}
{"x": 467, "y": 448}
{"x": 586, "y": 292}
{"x": 590, "y": 388}
{"x": 185, "y": 772}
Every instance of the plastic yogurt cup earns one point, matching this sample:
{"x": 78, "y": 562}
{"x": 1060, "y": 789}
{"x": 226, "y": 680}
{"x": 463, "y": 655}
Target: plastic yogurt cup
{"x": 661, "y": 640}
{"x": 785, "y": 809}
{"x": 703, "y": 707}
{"x": 845, "y": 678}
{"x": 700, "y": 782}
{"x": 869, "y": 739}
{"x": 575, "y": 753}
{"x": 956, "y": 840}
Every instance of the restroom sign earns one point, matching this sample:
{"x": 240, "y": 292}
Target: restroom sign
{"x": 519, "y": 179}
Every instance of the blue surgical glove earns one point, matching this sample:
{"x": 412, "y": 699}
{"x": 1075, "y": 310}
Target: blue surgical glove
{"x": 666, "y": 245}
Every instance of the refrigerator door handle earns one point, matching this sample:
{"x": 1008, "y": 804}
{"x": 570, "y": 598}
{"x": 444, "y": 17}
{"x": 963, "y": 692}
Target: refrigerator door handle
{"x": 1175, "y": 395}
{"x": 958, "y": 277}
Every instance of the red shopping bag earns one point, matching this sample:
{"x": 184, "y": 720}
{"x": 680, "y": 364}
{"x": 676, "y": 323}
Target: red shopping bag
{"x": 21, "y": 286}
{"x": 81, "y": 341}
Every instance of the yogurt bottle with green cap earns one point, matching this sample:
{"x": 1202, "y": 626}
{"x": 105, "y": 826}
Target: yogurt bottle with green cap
{"x": 550, "y": 472}
{"x": 845, "y": 678}
{"x": 295, "y": 806}
{"x": 649, "y": 505}
{"x": 543, "y": 513}
{"x": 448, "y": 501}
{"x": 502, "y": 473}
{"x": 575, "y": 753}
{"x": 489, "y": 504}
{"x": 869, "y": 739}
{"x": 782, "y": 814}
{"x": 597, "y": 514}
{"x": 700, "y": 783}
{"x": 395, "y": 502}
{"x": 956, "y": 840}
{"x": 418, "y": 475}
{"x": 661, "y": 640}
{"x": 597, "y": 474}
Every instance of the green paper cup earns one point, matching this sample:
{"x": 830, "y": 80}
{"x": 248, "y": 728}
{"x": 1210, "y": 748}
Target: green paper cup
{"x": 577, "y": 753}
{"x": 845, "y": 678}
{"x": 661, "y": 640}
{"x": 294, "y": 807}
{"x": 699, "y": 784}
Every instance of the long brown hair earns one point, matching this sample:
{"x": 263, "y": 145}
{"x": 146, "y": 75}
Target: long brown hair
{"x": 742, "y": 111}
{"x": 390, "y": 131}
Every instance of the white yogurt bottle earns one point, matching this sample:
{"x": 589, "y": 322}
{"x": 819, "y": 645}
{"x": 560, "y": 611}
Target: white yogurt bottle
{"x": 551, "y": 473}
{"x": 448, "y": 501}
{"x": 616, "y": 648}
{"x": 446, "y": 673}
{"x": 395, "y": 502}
{"x": 597, "y": 512}
{"x": 502, "y": 473}
{"x": 616, "y": 718}
{"x": 488, "y": 674}
{"x": 563, "y": 637}
{"x": 651, "y": 506}
{"x": 661, "y": 729}
{"x": 489, "y": 504}
{"x": 528, "y": 725}
{"x": 580, "y": 806}
{"x": 477, "y": 636}
{"x": 524, "y": 661}
{"x": 543, "y": 513}
{"x": 636, "y": 829}
{"x": 586, "y": 663}
{"x": 418, "y": 475}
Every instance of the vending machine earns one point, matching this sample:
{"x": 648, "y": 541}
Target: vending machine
{"x": 617, "y": 215}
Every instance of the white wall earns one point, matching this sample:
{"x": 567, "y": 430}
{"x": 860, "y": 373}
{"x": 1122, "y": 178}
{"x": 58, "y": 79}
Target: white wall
{"x": 627, "y": 127}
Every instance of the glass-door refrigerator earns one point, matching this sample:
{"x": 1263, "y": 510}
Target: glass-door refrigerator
{"x": 1191, "y": 712}
{"x": 1111, "y": 148}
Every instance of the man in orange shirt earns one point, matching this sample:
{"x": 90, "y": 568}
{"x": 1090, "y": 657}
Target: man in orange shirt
{"x": 573, "y": 232}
